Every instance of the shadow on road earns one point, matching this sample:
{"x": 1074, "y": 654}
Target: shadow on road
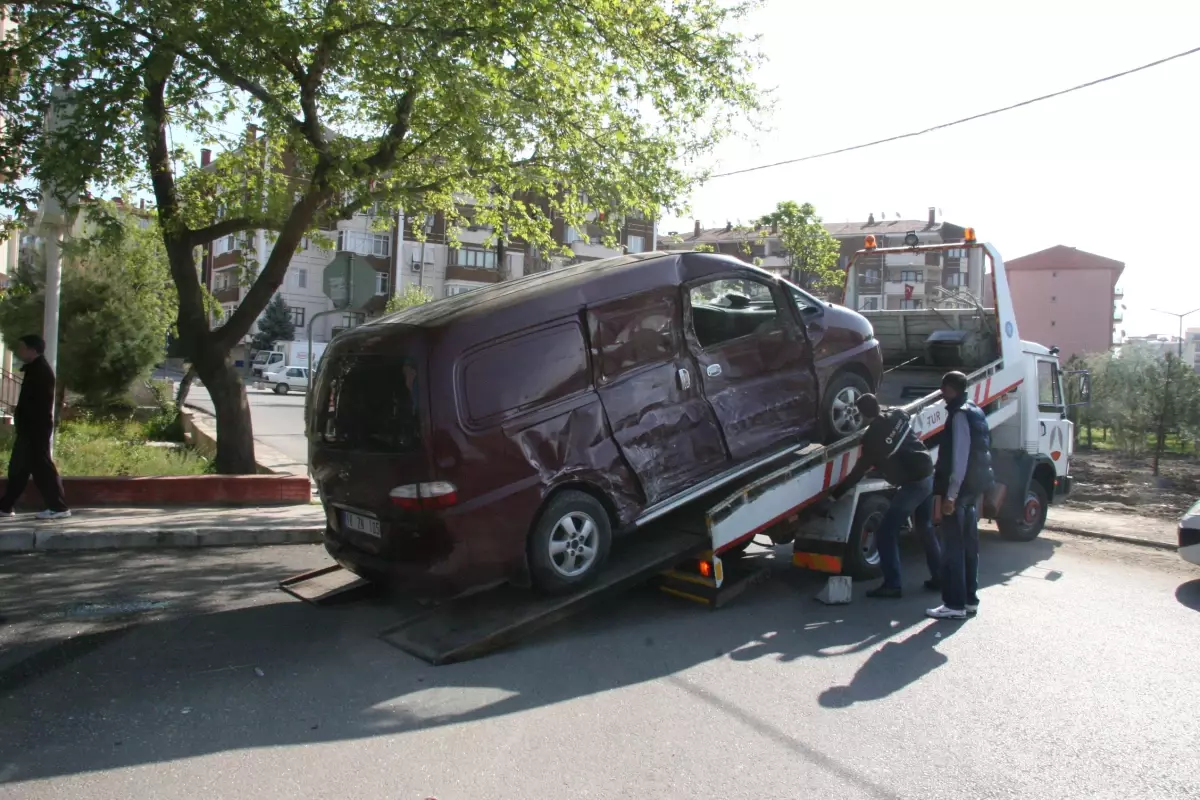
{"x": 275, "y": 672}
{"x": 1188, "y": 594}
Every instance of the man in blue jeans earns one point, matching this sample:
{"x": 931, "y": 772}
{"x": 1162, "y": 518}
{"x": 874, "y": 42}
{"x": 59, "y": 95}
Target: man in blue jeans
{"x": 891, "y": 446}
{"x": 962, "y": 475}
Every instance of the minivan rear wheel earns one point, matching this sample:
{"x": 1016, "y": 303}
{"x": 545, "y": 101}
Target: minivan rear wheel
{"x": 570, "y": 543}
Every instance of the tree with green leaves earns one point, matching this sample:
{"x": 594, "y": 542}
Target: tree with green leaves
{"x": 412, "y": 295}
{"x": 275, "y": 325}
{"x": 116, "y": 306}
{"x": 812, "y": 252}
{"x": 538, "y": 110}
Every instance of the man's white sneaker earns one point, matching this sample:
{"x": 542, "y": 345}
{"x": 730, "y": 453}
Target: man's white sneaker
{"x": 7, "y": 514}
{"x": 941, "y": 612}
{"x": 972, "y": 609}
{"x": 48, "y": 514}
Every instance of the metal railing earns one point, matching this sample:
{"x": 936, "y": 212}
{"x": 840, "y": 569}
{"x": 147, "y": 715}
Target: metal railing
{"x": 10, "y": 390}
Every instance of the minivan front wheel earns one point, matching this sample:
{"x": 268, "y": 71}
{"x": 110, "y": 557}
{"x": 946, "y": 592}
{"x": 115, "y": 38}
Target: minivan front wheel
{"x": 570, "y": 543}
{"x": 282, "y": 388}
{"x": 840, "y": 416}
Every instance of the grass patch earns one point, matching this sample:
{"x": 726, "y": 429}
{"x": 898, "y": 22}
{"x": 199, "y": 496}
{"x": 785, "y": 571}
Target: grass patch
{"x": 112, "y": 446}
{"x": 1105, "y": 441}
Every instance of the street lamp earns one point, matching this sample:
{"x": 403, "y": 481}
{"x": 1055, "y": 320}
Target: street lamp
{"x": 1181, "y": 317}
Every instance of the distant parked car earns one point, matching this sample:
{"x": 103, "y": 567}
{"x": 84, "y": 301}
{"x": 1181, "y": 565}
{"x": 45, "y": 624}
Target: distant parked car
{"x": 287, "y": 379}
{"x": 1189, "y": 535}
{"x": 510, "y": 432}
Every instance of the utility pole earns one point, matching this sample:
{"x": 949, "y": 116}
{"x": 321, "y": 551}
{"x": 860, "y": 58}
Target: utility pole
{"x": 52, "y": 220}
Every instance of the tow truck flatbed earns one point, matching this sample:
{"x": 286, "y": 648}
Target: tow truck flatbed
{"x": 471, "y": 626}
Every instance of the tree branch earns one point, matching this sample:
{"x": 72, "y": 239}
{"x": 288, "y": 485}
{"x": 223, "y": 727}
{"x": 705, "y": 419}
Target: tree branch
{"x": 225, "y": 227}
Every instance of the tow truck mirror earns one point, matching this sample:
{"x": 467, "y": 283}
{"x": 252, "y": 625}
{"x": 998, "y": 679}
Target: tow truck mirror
{"x": 1081, "y": 381}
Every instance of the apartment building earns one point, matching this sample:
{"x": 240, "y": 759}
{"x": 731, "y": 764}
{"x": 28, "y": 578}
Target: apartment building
{"x": 893, "y": 281}
{"x": 1067, "y": 298}
{"x": 391, "y": 255}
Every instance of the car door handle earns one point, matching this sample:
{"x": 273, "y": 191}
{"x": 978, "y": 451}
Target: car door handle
{"x": 685, "y": 379}
{"x": 713, "y": 370}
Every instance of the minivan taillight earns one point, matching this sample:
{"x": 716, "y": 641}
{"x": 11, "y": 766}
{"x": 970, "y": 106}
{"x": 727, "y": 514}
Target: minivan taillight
{"x": 424, "y": 496}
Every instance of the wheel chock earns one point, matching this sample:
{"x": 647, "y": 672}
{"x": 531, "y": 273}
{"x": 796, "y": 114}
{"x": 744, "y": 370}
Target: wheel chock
{"x": 836, "y": 591}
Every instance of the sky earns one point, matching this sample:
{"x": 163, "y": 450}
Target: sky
{"x": 1113, "y": 169}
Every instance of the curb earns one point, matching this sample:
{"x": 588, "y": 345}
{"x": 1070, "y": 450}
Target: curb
{"x": 67, "y": 541}
{"x": 200, "y": 431}
{"x": 1113, "y": 537}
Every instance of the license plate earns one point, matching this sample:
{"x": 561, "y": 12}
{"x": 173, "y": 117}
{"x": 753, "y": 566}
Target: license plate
{"x": 360, "y": 524}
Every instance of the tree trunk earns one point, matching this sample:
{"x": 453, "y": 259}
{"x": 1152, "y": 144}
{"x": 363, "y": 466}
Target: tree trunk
{"x": 235, "y": 436}
{"x": 185, "y": 386}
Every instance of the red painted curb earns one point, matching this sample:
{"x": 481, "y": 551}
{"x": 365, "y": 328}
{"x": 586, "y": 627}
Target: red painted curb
{"x": 189, "y": 490}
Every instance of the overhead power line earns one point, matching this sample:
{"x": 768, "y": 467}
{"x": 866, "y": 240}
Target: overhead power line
{"x": 959, "y": 121}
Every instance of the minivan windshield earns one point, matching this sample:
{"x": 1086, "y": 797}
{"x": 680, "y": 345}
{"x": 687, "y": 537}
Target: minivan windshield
{"x": 371, "y": 403}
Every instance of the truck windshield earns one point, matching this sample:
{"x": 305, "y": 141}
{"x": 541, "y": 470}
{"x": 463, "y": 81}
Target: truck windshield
{"x": 371, "y": 402}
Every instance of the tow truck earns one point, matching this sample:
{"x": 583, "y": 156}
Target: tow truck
{"x": 692, "y": 546}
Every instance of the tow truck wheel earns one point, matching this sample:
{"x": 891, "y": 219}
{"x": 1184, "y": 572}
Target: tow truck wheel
{"x": 1027, "y": 526}
{"x": 862, "y": 552}
{"x": 570, "y": 543}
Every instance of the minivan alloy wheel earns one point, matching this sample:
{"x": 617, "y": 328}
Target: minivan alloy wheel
{"x": 846, "y": 417}
{"x": 574, "y": 544}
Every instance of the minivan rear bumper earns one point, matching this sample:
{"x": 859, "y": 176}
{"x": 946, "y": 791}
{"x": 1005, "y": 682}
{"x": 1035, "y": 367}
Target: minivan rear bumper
{"x": 436, "y": 580}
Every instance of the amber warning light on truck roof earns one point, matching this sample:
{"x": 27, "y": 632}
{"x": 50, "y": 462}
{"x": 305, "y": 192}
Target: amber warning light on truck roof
{"x": 969, "y": 235}
{"x": 870, "y": 243}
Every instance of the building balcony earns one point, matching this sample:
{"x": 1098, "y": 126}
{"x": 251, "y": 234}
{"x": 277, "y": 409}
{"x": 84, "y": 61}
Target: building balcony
{"x": 897, "y": 288}
{"x": 905, "y": 259}
{"x": 482, "y": 275}
{"x": 587, "y": 250}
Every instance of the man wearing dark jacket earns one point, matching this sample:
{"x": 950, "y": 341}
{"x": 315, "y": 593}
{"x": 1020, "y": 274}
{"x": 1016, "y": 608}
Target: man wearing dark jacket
{"x": 891, "y": 446}
{"x": 34, "y": 423}
{"x": 962, "y": 475}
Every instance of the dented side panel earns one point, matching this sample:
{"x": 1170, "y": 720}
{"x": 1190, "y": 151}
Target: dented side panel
{"x": 665, "y": 429}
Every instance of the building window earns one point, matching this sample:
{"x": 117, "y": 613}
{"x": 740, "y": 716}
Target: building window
{"x": 953, "y": 279}
{"x": 912, "y": 276}
{"x": 869, "y": 304}
{"x": 224, "y": 245}
{"x": 381, "y": 284}
{"x": 453, "y": 290}
{"x": 570, "y": 236}
{"x": 298, "y": 278}
{"x": 481, "y": 259}
{"x": 365, "y": 244}
{"x": 297, "y": 316}
{"x": 910, "y": 304}
{"x": 635, "y": 244}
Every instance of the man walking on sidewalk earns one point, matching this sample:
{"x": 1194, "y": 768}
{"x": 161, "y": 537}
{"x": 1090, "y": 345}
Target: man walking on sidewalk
{"x": 34, "y": 423}
{"x": 962, "y": 475}
{"x": 891, "y": 446}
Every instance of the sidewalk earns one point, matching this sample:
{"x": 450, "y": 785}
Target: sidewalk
{"x": 131, "y": 528}
{"x": 1150, "y": 531}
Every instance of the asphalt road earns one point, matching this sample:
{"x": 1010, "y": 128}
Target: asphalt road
{"x": 278, "y": 419}
{"x": 1077, "y": 680}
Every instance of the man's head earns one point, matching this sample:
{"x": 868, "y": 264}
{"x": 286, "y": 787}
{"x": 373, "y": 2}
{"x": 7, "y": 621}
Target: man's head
{"x": 30, "y": 347}
{"x": 868, "y": 406}
{"x": 954, "y": 386}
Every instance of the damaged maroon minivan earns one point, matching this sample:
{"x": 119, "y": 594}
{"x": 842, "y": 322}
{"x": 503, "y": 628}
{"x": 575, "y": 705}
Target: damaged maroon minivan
{"x": 507, "y": 434}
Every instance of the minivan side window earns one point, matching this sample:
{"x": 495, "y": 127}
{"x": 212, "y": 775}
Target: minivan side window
{"x": 634, "y": 332}
{"x": 523, "y": 372}
{"x": 730, "y": 308}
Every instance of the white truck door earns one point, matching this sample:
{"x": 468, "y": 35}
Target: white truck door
{"x": 1055, "y": 431}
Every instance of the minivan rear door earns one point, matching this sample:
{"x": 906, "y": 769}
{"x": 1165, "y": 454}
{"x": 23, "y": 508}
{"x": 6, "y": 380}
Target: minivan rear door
{"x": 369, "y": 432}
{"x": 652, "y": 397}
